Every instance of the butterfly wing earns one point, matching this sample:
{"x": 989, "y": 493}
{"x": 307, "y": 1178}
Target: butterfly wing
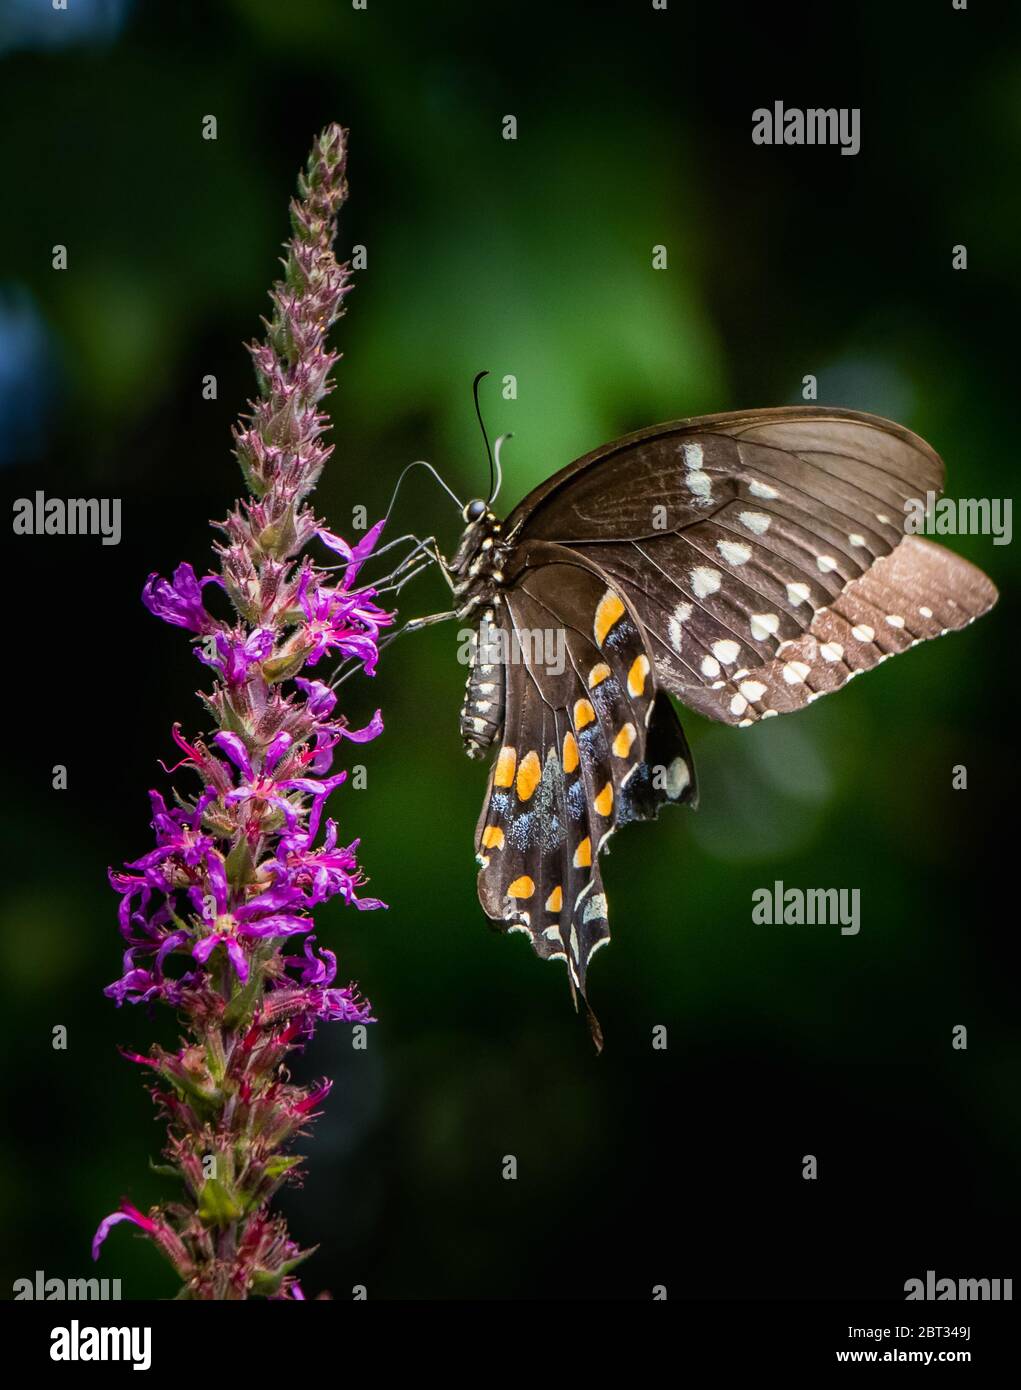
{"x": 747, "y": 563}
{"x": 764, "y": 553}
{"x": 588, "y": 745}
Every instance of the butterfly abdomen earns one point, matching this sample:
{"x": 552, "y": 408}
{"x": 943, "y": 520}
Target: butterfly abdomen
{"x": 484, "y": 694}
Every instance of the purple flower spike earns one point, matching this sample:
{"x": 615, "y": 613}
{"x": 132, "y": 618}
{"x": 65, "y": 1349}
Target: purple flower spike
{"x": 216, "y": 915}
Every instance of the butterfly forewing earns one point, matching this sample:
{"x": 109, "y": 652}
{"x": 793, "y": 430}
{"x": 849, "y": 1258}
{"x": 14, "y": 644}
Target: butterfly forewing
{"x": 779, "y": 589}
{"x": 845, "y": 462}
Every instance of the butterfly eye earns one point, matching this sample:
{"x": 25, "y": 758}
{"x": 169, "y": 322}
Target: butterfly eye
{"x": 474, "y": 510}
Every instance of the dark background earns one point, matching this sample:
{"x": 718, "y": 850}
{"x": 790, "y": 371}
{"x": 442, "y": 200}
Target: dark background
{"x": 641, "y": 1167}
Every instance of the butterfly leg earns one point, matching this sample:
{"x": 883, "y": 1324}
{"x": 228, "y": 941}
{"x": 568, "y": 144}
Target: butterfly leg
{"x": 416, "y": 625}
{"x": 429, "y": 549}
{"x": 406, "y": 578}
{"x": 421, "y": 548}
{"x": 339, "y": 675}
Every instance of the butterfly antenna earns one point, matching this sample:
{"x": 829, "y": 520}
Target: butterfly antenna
{"x": 485, "y": 436}
{"x": 499, "y": 469}
{"x": 421, "y": 463}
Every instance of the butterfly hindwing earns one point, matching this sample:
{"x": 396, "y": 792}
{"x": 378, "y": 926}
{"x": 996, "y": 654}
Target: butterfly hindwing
{"x": 919, "y": 591}
{"x": 588, "y": 745}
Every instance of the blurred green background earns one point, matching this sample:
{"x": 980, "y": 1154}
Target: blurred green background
{"x": 530, "y": 258}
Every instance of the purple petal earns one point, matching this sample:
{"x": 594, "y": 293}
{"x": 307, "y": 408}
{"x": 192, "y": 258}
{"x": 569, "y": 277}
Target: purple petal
{"x": 203, "y": 949}
{"x": 216, "y": 874}
{"x": 126, "y": 1213}
{"x": 283, "y": 925}
{"x": 238, "y": 958}
{"x": 235, "y": 749}
{"x": 321, "y": 699}
{"x": 104, "y": 1229}
{"x": 372, "y": 730}
{"x": 276, "y": 750}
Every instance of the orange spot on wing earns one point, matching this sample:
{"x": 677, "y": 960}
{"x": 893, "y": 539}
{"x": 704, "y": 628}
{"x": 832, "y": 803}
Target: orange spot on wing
{"x": 570, "y": 752}
{"x": 492, "y": 837}
{"x": 505, "y": 763}
{"x": 608, "y": 611}
{"x": 583, "y": 854}
{"x": 636, "y": 676}
{"x": 583, "y": 714}
{"x": 529, "y": 772}
{"x": 604, "y": 801}
{"x": 598, "y": 674}
{"x": 522, "y": 887}
{"x": 555, "y": 901}
{"x": 622, "y": 743}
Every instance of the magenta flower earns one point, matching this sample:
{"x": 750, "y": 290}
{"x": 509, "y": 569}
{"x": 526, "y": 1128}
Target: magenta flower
{"x": 237, "y": 653}
{"x": 180, "y": 602}
{"x": 347, "y": 623}
{"x": 210, "y": 913}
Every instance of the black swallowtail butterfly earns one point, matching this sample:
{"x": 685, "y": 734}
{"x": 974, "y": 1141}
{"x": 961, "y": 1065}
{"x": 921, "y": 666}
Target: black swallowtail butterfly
{"x": 745, "y": 563}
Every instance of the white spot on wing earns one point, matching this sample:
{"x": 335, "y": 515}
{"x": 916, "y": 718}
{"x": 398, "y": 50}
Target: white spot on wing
{"x": 762, "y": 490}
{"x": 678, "y": 777}
{"x": 705, "y": 581}
{"x": 595, "y": 907}
{"x": 764, "y": 625}
{"x": 734, "y": 552}
{"x": 680, "y": 615}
